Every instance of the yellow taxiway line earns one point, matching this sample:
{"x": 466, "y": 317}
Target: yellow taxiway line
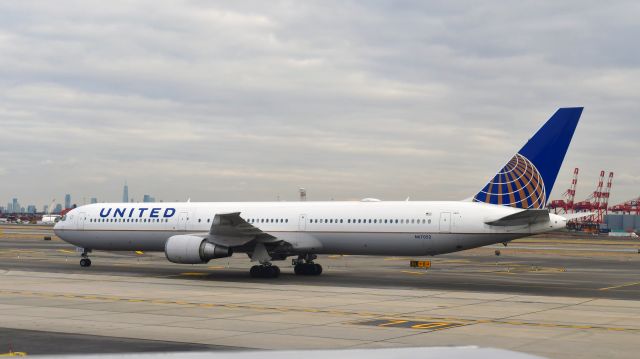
{"x": 620, "y": 286}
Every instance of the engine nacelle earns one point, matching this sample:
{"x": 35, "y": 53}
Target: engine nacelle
{"x": 193, "y": 250}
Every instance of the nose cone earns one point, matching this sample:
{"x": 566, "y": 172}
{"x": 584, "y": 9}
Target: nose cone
{"x": 57, "y": 228}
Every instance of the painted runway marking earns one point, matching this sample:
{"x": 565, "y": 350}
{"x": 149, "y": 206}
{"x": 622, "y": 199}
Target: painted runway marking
{"x": 620, "y": 286}
{"x": 13, "y": 354}
{"x": 412, "y": 272}
{"x": 412, "y": 324}
{"x": 194, "y": 273}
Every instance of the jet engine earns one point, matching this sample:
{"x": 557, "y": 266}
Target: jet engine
{"x": 193, "y": 250}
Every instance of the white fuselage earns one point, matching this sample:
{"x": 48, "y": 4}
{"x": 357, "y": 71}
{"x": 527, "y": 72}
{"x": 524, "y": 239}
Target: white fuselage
{"x": 368, "y": 228}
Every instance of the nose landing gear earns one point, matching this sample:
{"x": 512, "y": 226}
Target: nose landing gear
{"x": 85, "y": 261}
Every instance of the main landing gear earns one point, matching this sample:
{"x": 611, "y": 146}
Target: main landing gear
{"x": 85, "y": 261}
{"x": 304, "y": 265}
{"x": 266, "y": 270}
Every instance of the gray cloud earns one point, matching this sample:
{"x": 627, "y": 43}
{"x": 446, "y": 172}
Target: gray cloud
{"x": 250, "y": 100}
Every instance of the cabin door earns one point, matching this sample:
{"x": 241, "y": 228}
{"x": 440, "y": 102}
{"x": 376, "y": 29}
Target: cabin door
{"x": 445, "y": 222}
{"x": 182, "y": 221}
{"x": 302, "y": 222}
{"x": 82, "y": 217}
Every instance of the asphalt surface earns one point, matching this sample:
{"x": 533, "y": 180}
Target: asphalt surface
{"x": 549, "y": 296}
{"x": 587, "y": 268}
{"x": 33, "y": 342}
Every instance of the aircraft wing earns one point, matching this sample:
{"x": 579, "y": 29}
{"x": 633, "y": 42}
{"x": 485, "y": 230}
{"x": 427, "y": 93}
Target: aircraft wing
{"x": 527, "y": 216}
{"x": 230, "y": 229}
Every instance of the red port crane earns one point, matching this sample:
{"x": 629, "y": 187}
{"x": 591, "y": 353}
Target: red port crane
{"x": 566, "y": 204}
{"x": 597, "y": 201}
{"x": 631, "y": 206}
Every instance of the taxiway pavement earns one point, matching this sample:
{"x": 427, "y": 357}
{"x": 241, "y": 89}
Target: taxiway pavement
{"x": 557, "y": 303}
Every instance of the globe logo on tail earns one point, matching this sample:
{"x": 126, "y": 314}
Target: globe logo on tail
{"x": 518, "y": 184}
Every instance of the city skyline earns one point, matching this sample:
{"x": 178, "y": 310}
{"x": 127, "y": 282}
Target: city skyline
{"x": 42, "y": 207}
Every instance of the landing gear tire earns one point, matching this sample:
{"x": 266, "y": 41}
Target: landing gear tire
{"x": 85, "y": 262}
{"x": 307, "y": 269}
{"x": 265, "y": 271}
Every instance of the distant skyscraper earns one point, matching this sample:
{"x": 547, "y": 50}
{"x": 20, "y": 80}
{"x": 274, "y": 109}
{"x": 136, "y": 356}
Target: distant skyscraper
{"x": 58, "y": 208}
{"x": 15, "y": 206}
{"x": 67, "y": 201}
{"x": 94, "y": 200}
{"x": 45, "y": 209}
{"x": 125, "y": 193}
{"x": 9, "y": 207}
{"x": 31, "y": 209}
{"x": 147, "y": 198}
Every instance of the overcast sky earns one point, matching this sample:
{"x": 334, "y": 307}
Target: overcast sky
{"x": 250, "y": 100}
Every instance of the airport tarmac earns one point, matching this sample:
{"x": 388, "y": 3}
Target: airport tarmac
{"x": 554, "y": 297}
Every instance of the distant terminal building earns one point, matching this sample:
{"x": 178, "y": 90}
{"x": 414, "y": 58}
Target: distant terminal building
{"x": 622, "y": 222}
{"x": 67, "y": 201}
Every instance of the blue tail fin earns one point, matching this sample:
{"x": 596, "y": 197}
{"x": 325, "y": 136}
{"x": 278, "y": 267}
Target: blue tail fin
{"x": 527, "y": 179}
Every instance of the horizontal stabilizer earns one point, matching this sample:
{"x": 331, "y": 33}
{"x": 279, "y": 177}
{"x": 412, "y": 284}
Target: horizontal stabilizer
{"x": 525, "y": 217}
{"x": 570, "y": 216}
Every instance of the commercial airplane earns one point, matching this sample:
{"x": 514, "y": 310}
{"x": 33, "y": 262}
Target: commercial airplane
{"x": 511, "y": 205}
